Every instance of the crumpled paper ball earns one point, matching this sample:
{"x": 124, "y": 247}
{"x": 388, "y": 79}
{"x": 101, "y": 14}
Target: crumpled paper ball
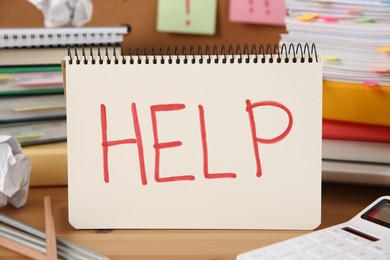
{"x": 15, "y": 169}
{"x": 59, "y": 13}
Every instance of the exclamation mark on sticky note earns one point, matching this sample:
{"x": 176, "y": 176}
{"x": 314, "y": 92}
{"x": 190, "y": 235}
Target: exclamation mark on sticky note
{"x": 188, "y": 11}
{"x": 267, "y": 8}
{"x": 251, "y": 6}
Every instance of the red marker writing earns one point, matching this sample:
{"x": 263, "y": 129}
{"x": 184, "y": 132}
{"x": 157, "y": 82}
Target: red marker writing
{"x": 188, "y": 10}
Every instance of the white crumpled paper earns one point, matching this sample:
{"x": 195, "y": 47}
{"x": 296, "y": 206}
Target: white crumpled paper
{"x": 59, "y": 13}
{"x": 15, "y": 169}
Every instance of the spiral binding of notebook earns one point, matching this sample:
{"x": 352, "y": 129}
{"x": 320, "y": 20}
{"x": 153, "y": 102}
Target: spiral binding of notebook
{"x": 44, "y": 37}
{"x": 285, "y": 53}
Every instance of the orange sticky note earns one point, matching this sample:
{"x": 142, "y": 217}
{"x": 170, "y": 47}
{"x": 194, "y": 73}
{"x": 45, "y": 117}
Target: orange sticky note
{"x": 355, "y": 11}
{"x": 384, "y": 49}
{"x": 380, "y": 70}
{"x": 307, "y": 17}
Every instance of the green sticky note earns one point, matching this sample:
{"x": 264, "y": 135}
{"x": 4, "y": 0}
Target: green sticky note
{"x": 365, "y": 20}
{"x": 187, "y": 16}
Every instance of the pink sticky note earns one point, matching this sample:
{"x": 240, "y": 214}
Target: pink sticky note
{"x": 370, "y": 83}
{"x": 329, "y": 18}
{"x": 258, "y": 11}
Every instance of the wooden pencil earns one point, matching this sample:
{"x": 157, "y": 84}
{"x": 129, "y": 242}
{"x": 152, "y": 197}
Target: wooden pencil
{"x": 51, "y": 241}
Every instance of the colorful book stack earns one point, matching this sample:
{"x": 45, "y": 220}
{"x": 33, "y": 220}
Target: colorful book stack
{"x": 32, "y": 103}
{"x": 353, "y": 40}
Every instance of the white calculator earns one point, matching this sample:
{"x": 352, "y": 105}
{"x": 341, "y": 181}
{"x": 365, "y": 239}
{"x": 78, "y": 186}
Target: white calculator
{"x": 365, "y": 236}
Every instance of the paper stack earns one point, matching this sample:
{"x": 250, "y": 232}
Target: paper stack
{"x": 353, "y": 40}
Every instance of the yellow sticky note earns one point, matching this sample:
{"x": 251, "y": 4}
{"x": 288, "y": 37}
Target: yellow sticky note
{"x": 5, "y": 77}
{"x": 307, "y": 17}
{"x": 330, "y": 58}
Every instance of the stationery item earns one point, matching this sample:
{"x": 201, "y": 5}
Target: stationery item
{"x": 45, "y": 55}
{"x": 341, "y": 130}
{"x": 34, "y": 243}
{"x": 36, "y": 132}
{"x": 195, "y": 138}
{"x": 356, "y": 103}
{"x": 187, "y": 16}
{"x": 31, "y": 81}
{"x": 355, "y": 33}
{"x": 258, "y": 11}
{"x": 38, "y": 37}
{"x": 361, "y": 151}
{"x": 50, "y": 232}
{"x": 32, "y": 108}
{"x": 361, "y": 173}
{"x": 46, "y": 157}
{"x": 365, "y": 236}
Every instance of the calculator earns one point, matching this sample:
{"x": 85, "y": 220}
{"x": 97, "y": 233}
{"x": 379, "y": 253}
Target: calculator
{"x": 365, "y": 236}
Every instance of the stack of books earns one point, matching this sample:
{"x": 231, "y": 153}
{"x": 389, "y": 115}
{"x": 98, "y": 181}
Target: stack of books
{"x": 353, "y": 40}
{"x": 32, "y": 102}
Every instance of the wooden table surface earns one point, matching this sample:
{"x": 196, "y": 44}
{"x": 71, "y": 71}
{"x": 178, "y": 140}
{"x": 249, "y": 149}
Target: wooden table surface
{"x": 340, "y": 203}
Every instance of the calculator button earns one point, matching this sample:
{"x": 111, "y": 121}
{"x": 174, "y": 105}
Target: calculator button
{"x": 340, "y": 257}
{"x": 299, "y": 255}
{"x": 280, "y": 249}
{"x": 357, "y": 240}
{"x": 258, "y": 254}
{"x": 337, "y": 232}
{"x": 301, "y": 243}
{"x": 321, "y": 251}
{"x": 341, "y": 245}
{"x": 380, "y": 247}
{"x": 363, "y": 254}
{"x": 321, "y": 237}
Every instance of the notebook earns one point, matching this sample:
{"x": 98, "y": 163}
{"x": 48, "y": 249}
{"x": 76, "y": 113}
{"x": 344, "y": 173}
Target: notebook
{"x": 217, "y": 137}
{"x": 38, "y": 37}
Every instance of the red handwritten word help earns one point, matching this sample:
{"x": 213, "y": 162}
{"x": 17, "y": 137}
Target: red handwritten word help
{"x": 159, "y": 147}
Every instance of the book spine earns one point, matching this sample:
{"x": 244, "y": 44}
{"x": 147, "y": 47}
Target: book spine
{"x": 352, "y": 102}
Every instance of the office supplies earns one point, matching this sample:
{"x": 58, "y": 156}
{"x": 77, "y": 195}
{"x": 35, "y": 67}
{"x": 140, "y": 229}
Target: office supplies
{"x": 360, "y": 151}
{"x": 362, "y": 173}
{"x": 37, "y": 244}
{"x": 197, "y": 138}
{"x": 341, "y": 130}
{"x": 46, "y": 157}
{"x": 186, "y": 16}
{"x": 361, "y": 37}
{"x": 258, "y": 11}
{"x": 365, "y": 236}
{"x": 36, "y": 132}
{"x": 21, "y": 57}
{"x": 31, "y": 81}
{"x": 351, "y": 102}
{"x": 32, "y": 108}
{"x": 37, "y": 37}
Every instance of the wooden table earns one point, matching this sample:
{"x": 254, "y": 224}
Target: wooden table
{"x": 340, "y": 203}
